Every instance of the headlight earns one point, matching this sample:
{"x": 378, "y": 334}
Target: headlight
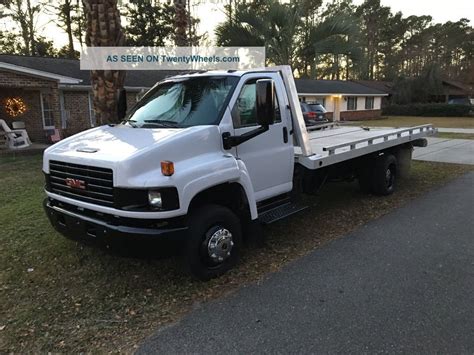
{"x": 154, "y": 199}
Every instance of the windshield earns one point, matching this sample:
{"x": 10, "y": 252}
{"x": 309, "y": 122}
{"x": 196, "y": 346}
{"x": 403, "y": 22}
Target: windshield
{"x": 183, "y": 103}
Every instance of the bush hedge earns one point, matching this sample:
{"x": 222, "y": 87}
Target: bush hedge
{"x": 436, "y": 110}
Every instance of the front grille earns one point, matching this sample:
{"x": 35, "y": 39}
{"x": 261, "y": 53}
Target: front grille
{"x": 97, "y": 182}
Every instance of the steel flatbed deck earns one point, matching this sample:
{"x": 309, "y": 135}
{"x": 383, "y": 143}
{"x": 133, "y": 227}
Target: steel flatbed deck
{"x": 332, "y": 143}
{"x": 324, "y": 145}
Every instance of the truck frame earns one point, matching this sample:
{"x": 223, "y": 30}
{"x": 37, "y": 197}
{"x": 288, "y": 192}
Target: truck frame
{"x": 225, "y": 152}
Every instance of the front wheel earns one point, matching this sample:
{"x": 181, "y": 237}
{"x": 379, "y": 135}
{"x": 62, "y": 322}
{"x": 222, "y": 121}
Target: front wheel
{"x": 214, "y": 241}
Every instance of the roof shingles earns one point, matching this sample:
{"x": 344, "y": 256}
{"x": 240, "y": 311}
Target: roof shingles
{"x": 310, "y": 86}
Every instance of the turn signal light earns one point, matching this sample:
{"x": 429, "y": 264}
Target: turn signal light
{"x": 167, "y": 168}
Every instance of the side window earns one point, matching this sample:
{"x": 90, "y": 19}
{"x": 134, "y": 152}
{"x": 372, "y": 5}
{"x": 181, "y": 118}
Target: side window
{"x": 244, "y": 112}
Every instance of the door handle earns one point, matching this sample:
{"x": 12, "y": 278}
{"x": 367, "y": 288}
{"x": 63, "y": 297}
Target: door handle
{"x": 285, "y": 135}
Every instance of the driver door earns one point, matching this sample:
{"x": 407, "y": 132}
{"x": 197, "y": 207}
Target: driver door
{"x": 269, "y": 157}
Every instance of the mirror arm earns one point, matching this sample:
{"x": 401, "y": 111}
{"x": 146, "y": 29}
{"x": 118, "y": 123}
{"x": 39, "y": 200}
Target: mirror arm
{"x": 233, "y": 141}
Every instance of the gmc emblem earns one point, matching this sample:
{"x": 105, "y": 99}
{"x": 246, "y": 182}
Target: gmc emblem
{"x": 76, "y": 183}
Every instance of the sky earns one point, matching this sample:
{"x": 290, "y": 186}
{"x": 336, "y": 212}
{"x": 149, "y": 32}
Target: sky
{"x": 211, "y": 12}
{"x": 441, "y": 11}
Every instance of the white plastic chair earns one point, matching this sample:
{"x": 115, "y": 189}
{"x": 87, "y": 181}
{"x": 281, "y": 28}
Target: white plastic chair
{"x": 15, "y": 138}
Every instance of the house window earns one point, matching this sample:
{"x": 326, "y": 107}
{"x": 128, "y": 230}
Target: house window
{"x": 92, "y": 117}
{"x": 369, "y": 103}
{"x": 351, "y": 103}
{"x": 47, "y": 110}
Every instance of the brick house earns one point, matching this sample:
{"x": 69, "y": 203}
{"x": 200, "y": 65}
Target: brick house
{"x": 56, "y": 94}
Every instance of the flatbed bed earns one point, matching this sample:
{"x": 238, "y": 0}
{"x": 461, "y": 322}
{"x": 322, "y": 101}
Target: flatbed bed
{"x": 333, "y": 143}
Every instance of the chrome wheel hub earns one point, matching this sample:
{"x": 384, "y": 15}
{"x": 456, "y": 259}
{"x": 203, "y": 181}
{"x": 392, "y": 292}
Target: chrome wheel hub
{"x": 220, "y": 245}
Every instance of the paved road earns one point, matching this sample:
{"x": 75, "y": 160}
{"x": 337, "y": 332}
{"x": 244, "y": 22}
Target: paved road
{"x": 401, "y": 284}
{"x": 460, "y": 151}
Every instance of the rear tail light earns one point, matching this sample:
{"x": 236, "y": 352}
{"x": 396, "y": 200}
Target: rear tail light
{"x": 311, "y": 114}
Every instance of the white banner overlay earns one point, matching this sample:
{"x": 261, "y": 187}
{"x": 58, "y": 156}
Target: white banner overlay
{"x": 172, "y": 58}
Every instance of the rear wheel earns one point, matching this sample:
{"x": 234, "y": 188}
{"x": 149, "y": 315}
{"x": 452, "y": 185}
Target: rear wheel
{"x": 385, "y": 175}
{"x": 214, "y": 241}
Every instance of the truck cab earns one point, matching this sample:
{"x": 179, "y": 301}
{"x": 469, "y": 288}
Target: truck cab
{"x": 200, "y": 158}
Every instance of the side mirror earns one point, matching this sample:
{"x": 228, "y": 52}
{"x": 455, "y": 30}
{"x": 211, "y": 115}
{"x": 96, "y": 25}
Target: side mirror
{"x": 265, "y": 102}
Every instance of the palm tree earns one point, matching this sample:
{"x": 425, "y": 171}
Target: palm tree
{"x": 286, "y": 37}
{"x": 104, "y": 30}
{"x": 180, "y": 22}
{"x": 269, "y": 23}
{"x": 333, "y": 37}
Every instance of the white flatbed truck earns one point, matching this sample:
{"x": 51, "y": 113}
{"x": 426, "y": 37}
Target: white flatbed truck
{"x": 203, "y": 157}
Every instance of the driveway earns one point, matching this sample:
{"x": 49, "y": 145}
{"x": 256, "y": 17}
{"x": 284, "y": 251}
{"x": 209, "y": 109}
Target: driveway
{"x": 460, "y": 151}
{"x": 402, "y": 283}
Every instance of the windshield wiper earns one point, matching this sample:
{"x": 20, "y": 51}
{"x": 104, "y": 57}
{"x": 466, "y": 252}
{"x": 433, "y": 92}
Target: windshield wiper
{"x": 162, "y": 123}
{"x": 132, "y": 123}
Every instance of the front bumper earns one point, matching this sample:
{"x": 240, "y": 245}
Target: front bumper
{"x": 88, "y": 226}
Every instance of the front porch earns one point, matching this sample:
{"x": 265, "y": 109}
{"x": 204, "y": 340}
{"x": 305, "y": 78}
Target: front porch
{"x": 31, "y": 100}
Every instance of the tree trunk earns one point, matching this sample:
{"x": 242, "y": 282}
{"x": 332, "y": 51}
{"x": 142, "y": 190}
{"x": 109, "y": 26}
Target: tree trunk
{"x": 347, "y": 67}
{"x": 31, "y": 20}
{"x": 20, "y": 17}
{"x": 188, "y": 19}
{"x": 180, "y": 23}
{"x": 68, "y": 23}
{"x": 104, "y": 30}
{"x": 79, "y": 20}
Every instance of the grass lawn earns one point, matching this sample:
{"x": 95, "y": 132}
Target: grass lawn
{"x": 59, "y": 296}
{"x": 449, "y": 135}
{"x": 408, "y": 121}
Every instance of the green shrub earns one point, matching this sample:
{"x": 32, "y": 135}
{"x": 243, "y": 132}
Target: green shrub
{"x": 435, "y": 110}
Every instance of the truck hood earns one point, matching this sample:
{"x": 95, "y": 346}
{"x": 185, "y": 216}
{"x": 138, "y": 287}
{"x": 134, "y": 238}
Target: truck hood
{"x": 135, "y": 154}
{"x": 110, "y": 143}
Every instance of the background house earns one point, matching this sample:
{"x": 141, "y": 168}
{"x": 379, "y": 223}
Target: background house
{"x": 450, "y": 90}
{"x": 453, "y": 89}
{"x": 384, "y": 86}
{"x": 344, "y": 100}
{"x": 53, "y": 93}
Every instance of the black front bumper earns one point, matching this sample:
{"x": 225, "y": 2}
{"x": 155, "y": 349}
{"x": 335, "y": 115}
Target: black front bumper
{"x": 89, "y": 226}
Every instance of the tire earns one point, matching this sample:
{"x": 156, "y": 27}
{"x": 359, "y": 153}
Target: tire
{"x": 214, "y": 242}
{"x": 384, "y": 175}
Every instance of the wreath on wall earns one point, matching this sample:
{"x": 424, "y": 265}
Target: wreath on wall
{"x": 15, "y": 106}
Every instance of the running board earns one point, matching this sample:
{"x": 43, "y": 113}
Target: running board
{"x": 280, "y": 212}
